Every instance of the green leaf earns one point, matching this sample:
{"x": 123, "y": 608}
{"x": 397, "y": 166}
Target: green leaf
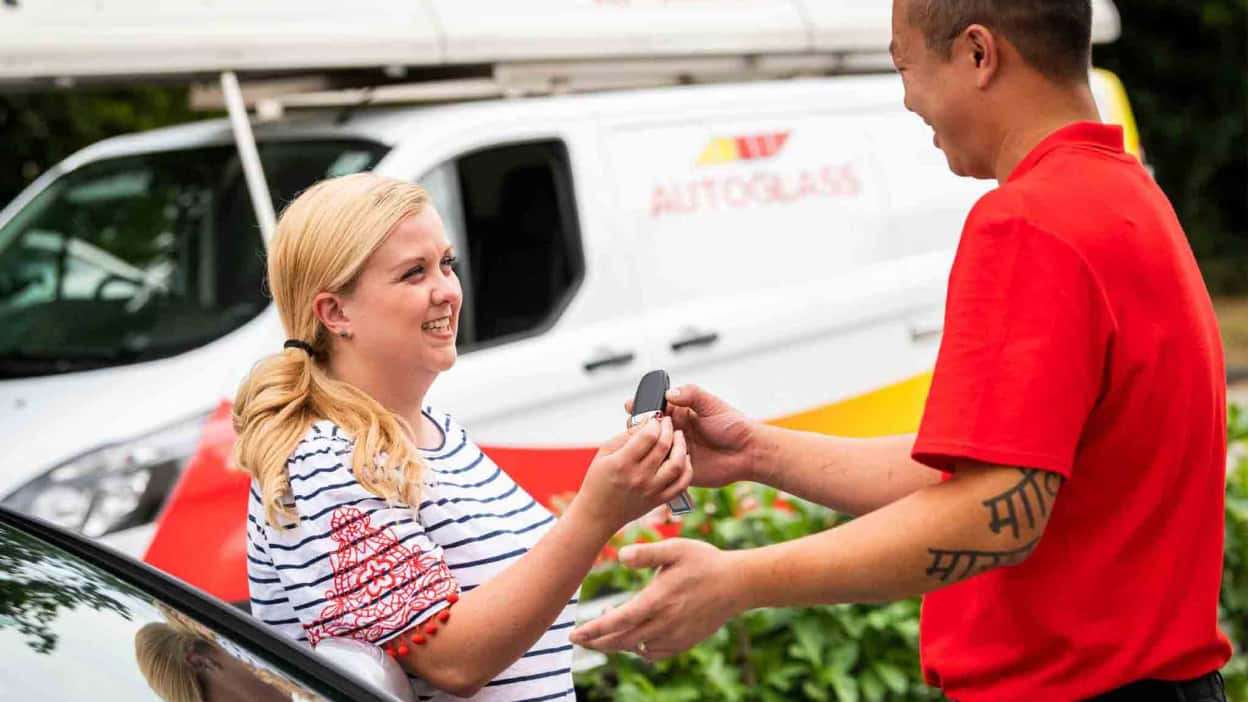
{"x": 872, "y": 688}
{"x": 809, "y": 644}
{"x": 783, "y": 677}
{"x": 681, "y": 692}
{"x": 723, "y": 678}
{"x": 844, "y": 656}
{"x": 846, "y": 687}
{"x": 891, "y": 676}
{"x": 815, "y": 692}
{"x": 855, "y": 624}
{"x": 768, "y": 695}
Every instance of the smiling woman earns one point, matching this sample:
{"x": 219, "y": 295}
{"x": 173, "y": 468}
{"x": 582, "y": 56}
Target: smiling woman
{"x": 371, "y": 513}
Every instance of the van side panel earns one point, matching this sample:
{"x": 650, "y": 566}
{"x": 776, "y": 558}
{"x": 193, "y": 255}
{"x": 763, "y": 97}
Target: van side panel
{"x": 774, "y": 275}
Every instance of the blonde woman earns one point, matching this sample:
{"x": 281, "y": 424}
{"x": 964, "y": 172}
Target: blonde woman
{"x": 371, "y": 513}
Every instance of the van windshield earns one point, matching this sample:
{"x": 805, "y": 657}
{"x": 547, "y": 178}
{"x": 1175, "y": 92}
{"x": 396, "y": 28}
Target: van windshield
{"x": 145, "y": 256}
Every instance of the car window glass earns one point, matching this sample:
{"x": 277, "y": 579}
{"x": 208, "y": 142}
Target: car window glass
{"x": 513, "y": 207}
{"x": 70, "y": 631}
{"x": 145, "y": 256}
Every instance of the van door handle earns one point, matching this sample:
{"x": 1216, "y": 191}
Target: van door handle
{"x": 695, "y": 339}
{"x": 606, "y": 358}
{"x": 924, "y": 332}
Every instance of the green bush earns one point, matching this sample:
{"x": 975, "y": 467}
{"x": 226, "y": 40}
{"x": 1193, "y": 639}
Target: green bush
{"x": 847, "y": 653}
{"x": 1234, "y": 605}
{"x": 854, "y": 652}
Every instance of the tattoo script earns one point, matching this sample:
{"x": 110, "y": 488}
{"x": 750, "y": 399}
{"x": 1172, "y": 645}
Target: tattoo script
{"x": 946, "y": 563}
{"x": 1030, "y": 496}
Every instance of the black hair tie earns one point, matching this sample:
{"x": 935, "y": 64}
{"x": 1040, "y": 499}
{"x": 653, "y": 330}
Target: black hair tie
{"x": 297, "y": 344}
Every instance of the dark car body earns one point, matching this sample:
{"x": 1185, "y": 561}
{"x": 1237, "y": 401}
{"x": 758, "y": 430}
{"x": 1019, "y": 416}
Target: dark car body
{"x": 80, "y": 621}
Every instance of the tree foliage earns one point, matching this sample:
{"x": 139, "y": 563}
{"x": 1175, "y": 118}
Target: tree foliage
{"x": 1185, "y": 65}
{"x": 38, "y": 130}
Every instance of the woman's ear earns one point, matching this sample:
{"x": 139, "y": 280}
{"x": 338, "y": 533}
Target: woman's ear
{"x": 201, "y": 660}
{"x": 331, "y": 312}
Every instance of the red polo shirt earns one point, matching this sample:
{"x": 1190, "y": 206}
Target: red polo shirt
{"x": 1080, "y": 339}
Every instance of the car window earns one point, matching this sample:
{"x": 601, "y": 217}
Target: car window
{"x": 510, "y": 211}
{"x": 145, "y": 256}
{"x": 71, "y": 631}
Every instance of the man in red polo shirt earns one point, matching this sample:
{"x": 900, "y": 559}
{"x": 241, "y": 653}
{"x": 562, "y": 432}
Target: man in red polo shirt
{"x": 1069, "y": 542}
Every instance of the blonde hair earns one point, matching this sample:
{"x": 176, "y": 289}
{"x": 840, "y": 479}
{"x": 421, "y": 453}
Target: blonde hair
{"x": 322, "y": 242}
{"x": 162, "y": 651}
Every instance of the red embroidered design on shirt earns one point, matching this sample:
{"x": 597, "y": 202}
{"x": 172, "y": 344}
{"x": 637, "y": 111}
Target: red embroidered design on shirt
{"x": 379, "y": 584}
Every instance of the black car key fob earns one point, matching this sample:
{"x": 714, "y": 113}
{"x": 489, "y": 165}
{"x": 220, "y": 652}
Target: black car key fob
{"x": 650, "y": 401}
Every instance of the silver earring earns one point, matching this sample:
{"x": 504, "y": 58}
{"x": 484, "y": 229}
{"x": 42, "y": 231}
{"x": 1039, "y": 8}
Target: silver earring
{"x": 345, "y": 334}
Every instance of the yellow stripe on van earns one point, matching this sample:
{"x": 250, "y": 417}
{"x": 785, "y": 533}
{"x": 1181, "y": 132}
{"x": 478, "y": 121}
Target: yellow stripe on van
{"x": 895, "y": 409}
{"x": 719, "y": 151}
{"x": 1123, "y": 115}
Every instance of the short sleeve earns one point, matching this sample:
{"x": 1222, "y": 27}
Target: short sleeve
{"x": 354, "y": 566}
{"x": 1022, "y": 361}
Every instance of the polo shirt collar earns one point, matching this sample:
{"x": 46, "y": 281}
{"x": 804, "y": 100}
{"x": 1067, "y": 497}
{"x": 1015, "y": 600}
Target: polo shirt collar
{"x": 1107, "y": 137}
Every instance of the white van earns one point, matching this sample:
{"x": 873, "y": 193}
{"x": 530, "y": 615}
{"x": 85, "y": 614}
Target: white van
{"x": 784, "y": 242}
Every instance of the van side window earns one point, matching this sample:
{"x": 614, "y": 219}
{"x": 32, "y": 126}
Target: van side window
{"x": 145, "y": 256}
{"x": 510, "y": 211}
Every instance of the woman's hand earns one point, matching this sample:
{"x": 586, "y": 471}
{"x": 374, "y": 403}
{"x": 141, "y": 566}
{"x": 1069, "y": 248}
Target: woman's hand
{"x": 633, "y": 473}
{"x": 721, "y": 439}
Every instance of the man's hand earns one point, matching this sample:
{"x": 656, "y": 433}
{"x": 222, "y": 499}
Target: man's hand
{"x": 721, "y": 439}
{"x": 692, "y": 595}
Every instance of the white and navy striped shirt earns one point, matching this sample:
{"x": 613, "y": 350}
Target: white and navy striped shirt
{"x": 358, "y": 566}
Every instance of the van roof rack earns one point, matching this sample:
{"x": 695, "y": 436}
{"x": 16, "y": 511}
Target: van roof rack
{"x": 270, "y": 98}
{"x": 328, "y": 52}
{"x": 43, "y": 43}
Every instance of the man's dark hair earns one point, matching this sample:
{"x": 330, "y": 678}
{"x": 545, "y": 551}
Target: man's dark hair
{"x": 1054, "y": 36}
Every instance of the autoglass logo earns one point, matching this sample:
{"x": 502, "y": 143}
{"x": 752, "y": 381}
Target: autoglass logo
{"x": 743, "y": 148}
{"x": 761, "y": 177}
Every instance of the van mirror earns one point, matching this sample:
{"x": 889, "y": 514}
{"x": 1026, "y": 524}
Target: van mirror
{"x": 368, "y": 663}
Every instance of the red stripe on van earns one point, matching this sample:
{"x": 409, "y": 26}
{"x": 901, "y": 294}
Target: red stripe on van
{"x": 201, "y": 536}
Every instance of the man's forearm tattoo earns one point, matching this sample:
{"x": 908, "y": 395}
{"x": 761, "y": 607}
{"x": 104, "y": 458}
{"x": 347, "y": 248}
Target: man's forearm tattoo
{"x": 946, "y": 563}
{"x": 1026, "y": 502}
{"x": 1030, "y": 494}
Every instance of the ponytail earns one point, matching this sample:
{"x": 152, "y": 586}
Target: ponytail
{"x": 323, "y": 240}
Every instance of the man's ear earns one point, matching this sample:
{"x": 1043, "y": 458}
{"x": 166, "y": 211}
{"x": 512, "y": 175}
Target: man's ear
{"x": 978, "y": 47}
{"x": 330, "y": 310}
